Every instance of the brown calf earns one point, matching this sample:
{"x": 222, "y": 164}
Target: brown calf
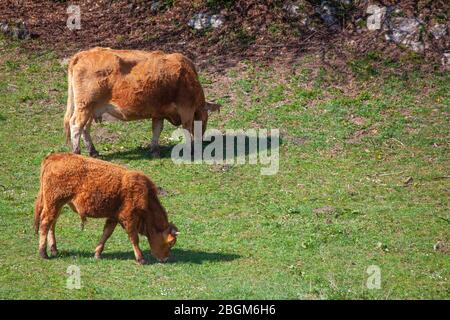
{"x": 98, "y": 189}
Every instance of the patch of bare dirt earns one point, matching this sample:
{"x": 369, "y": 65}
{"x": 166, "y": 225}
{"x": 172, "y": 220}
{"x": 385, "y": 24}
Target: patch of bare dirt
{"x": 257, "y": 30}
{"x": 441, "y": 246}
{"x": 358, "y": 135}
{"x": 359, "y": 121}
{"x": 102, "y": 134}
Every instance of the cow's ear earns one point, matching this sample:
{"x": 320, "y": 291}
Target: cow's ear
{"x": 211, "y": 107}
{"x": 173, "y": 230}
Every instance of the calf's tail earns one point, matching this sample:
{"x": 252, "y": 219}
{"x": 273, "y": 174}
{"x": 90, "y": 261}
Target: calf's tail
{"x": 37, "y": 211}
{"x": 38, "y": 204}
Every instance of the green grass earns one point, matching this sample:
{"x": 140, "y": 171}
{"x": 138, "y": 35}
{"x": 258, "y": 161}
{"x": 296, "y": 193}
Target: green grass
{"x": 339, "y": 203}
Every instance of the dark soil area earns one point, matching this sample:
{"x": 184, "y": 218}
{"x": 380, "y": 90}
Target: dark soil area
{"x": 255, "y": 30}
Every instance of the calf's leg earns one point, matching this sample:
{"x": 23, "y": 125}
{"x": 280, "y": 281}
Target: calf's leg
{"x": 108, "y": 229}
{"x": 48, "y": 218}
{"x": 43, "y": 238}
{"x": 134, "y": 238}
{"x": 52, "y": 240}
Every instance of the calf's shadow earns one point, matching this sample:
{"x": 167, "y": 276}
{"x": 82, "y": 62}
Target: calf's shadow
{"x": 177, "y": 256}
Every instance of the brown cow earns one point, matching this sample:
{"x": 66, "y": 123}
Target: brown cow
{"x": 98, "y": 189}
{"x": 132, "y": 85}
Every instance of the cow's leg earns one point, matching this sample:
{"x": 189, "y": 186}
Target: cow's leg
{"x": 77, "y": 122}
{"x": 88, "y": 140}
{"x": 157, "y": 127}
{"x": 52, "y": 239}
{"x": 108, "y": 229}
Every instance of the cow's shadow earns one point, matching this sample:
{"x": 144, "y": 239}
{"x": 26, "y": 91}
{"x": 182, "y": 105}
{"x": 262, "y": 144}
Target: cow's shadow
{"x": 242, "y": 146}
{"x": 177, "y": 256}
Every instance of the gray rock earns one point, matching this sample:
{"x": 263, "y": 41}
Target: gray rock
{"x": 328, "y": 14}
{"x": 216, "y": 21}
{"x": 155, "y": 6}
{"x": 439, "y": 31}
{"x": 405, "y": 31}
{"x": 18, "y": 31}
{"x": 345, "y": 3}
{"x": 446, "y": 61}
{"x": 203, "y": 20}
{"x": 292, "y": 10}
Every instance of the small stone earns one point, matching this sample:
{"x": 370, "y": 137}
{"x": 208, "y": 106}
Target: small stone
{"x": 446, "y": 60}
{"x": 216, "y": 21}
{"x": 439, "y": 31}
{"x": 292, "y": 10}
{"x": 155, "y": 6}
{"x": 405, "y": 31}
{"x": 328, "y": 14}
{"x": 202, "y": 20}
{"x": 441, "y": 246}
{"x": 18, "y": 31}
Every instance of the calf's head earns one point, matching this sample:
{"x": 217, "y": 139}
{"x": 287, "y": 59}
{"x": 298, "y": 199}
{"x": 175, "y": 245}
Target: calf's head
{"x": 162, "y": 242}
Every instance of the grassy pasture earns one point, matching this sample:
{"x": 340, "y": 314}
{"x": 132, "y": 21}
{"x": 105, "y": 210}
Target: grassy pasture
{"x": 363, "y": 180}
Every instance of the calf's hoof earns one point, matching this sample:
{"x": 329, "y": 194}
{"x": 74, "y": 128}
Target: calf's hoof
{"x": 97, "y": 256}
{"x": 141, "y": 261}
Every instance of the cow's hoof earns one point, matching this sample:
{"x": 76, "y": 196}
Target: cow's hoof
{"x": 43, "y": 254}
{"x": 53, "y": 252}
{"x": 141, "y": 262}
{"x": 156, "y": 155}
{"x": 155, "y": 152}
{"x": 97, "y": 256}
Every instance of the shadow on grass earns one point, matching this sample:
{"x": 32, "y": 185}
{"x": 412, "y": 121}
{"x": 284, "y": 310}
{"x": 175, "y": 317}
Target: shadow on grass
{"x": 247, "y": 147}
{"x": 177, "y": 256}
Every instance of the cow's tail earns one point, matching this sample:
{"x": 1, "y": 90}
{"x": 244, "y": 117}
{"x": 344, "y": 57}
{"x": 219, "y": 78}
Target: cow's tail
{"x": 38, "y": 204}
{"x": 70, "y": 104}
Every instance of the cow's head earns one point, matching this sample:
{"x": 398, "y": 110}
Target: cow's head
{"x": 162, "y": 242}
{"x": 203, "y": 114}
